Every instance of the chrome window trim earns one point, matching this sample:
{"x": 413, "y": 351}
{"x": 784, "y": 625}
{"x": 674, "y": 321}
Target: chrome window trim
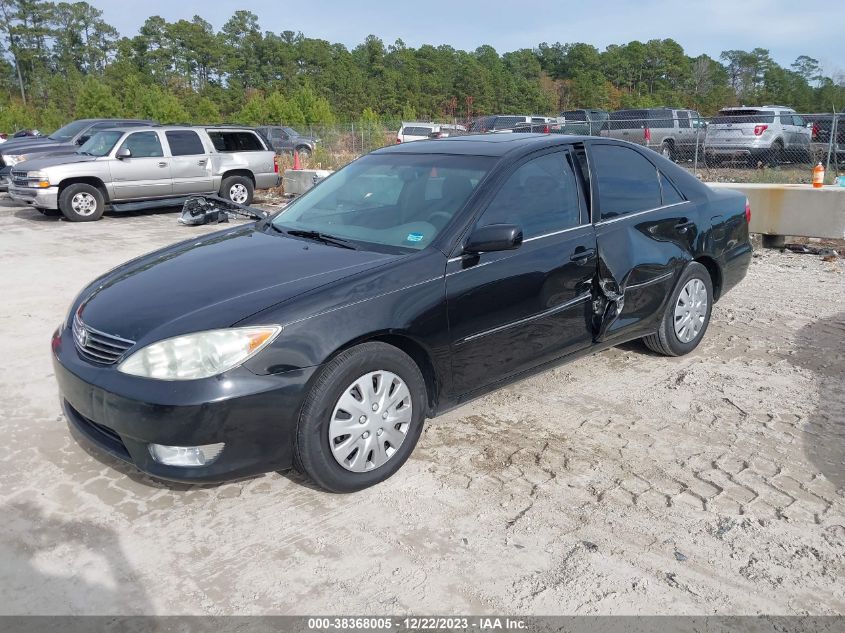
{"x": 579, "y": 299}
{"x": 633, "y": 215}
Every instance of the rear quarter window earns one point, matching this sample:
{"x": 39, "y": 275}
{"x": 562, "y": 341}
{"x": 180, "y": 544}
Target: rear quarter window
{"x": 235, "y": 141}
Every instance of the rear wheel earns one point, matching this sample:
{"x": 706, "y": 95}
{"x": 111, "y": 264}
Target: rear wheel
{"x": 667, "y": 150}
{"x": 775, "y": 155}
{"x": 82, "y": 203}
{"x": 238, "y": 189}
{"x": 687, "y": 314}
{"x": 362, "y": 418}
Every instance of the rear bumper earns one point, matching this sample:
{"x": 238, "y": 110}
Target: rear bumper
{"x": 254, "y": 416}
{"x": 267, "y": 181}
{"x": 40, "y": 198}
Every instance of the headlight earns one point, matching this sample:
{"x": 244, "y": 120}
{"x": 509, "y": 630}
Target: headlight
{"x": 38, "y": 179}
{"x": 199, "y": 355}
{"x": 13, "y": 159}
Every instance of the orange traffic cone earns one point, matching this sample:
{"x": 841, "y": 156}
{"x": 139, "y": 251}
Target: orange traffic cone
{"x": 296, "y": 164}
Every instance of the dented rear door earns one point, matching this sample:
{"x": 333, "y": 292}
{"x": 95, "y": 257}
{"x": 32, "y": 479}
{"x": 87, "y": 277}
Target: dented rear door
{"x": 645, "y": 231}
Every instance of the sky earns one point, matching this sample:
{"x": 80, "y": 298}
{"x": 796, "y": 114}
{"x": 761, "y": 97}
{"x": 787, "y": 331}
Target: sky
{"x": 788, "y": 29}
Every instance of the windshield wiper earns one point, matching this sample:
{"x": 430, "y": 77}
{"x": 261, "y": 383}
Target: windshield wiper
{"x": 319, "y": 237}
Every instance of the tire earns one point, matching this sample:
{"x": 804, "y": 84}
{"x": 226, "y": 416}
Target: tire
{"x": 82, "y": 203}
{"x": 667, "y": 150}
{"x": 323, "y": 419}
{"x": 666, "y": 340}
{"x": 774, "y": 156}
{"x": 304, "y": 151}
{"x": 237, "y": 189}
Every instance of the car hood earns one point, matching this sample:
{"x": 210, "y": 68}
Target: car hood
{"x": 214, "y": 281}
{"x": 43, "y": 162}
{"x": 24, "y": 145}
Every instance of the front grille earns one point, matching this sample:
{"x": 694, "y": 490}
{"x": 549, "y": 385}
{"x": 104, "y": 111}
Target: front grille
{"x": 98, "y": 347}
{"x": 19, "y": 178}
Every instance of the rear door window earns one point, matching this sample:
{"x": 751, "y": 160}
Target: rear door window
{"x": 627, "y": 181}
{"x": 235, "y": 141}
{"x": 683, "y": 119}
{"x": 184, "y": 143}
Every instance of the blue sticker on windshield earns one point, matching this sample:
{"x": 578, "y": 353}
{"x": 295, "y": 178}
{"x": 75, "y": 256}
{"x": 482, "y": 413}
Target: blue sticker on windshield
{"x": 414, "y": 237}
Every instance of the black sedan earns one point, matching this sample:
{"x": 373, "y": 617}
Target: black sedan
{"x": 411, "y": 281}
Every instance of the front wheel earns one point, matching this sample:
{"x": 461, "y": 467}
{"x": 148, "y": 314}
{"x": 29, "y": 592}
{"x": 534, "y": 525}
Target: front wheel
{"x": 238, "y": 189}
{"x": 82, "y": 203}
{"x": 687, "y": 314}
{"x": 362, "y": 418}
{"x": 304, "y": 152}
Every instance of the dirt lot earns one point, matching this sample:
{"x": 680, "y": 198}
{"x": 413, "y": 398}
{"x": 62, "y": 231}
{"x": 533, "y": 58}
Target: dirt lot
{"x": 621, "y": 483}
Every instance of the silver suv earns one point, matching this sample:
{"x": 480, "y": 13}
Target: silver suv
{"x": 129, "y": 169}
{"x": 769, "y": 134}
{"x": 671, "y": 132}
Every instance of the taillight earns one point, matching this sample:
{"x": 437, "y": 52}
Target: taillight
{"x": 398, "y": 140}
{"x": 276, "y": 164}
{"x": 759, "y": 129}
{"x": 546, "y": 130}
{"x": 4, "y": 136}
{"x": 747, "y": 211}
{"x": 647, "y": 134}
{"x": 815, "y": 131}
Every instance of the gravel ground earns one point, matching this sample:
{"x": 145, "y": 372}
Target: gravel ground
{"x": 620, "y": 483}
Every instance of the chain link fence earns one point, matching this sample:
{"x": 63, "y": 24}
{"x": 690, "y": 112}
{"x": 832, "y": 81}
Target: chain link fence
{"x": 767, "y": 145}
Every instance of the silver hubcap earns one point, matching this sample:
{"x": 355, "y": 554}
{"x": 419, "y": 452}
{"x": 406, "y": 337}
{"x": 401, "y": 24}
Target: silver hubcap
{"x": 691, "y": 310}
{"x": 370, "y": 421}
{"x": 84, "y": 204}
{"x": 238, "y": 193}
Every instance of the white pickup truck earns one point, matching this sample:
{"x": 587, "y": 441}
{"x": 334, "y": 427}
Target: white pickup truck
{"x": 131, "y": 168}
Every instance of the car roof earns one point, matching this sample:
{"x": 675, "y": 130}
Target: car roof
{"x": 483, "y": 144}
{"x": 765, "y": 107}
{"x": 136, "y": 128}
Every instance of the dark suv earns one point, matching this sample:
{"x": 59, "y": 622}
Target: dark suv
{"x": 287, "y": 140}
{"x": 65, "y": 140}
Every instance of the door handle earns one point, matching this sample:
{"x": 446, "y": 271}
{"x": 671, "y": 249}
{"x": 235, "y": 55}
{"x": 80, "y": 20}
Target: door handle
{"x": 162, "y": 164}
{"x": 582, "y": 254}
{"x": 201, "y": 163}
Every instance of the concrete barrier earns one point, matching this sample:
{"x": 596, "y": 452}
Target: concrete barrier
{"x": 800, "y": 210}
{"x": 298, "y": 181}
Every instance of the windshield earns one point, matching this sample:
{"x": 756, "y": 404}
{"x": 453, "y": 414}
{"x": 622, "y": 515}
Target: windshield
{"x": 399, "y": 200}
{"x": 100, "y": 144}
{"x": 69, "y": 131}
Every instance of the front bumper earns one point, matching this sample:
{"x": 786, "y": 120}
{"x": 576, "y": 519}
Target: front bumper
{"x": 255, "y": 416}
{"x": 41, "y": 198}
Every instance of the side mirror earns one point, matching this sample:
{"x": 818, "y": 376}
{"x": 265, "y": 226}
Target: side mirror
{"x": 123, "y": 152}
{"x": 494, "y": 237}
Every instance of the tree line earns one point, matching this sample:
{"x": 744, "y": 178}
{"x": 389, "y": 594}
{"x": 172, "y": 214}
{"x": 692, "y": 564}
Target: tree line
{"x": 61, "y": 61}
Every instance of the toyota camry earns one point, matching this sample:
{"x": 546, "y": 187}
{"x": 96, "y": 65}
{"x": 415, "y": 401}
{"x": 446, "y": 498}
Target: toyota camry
{"x": 413, "y": 280}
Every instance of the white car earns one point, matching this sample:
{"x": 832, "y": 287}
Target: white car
{"x": 417, "y": 131}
